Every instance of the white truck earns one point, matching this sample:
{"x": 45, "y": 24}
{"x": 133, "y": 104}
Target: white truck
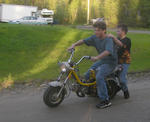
{"x": 10, "y": 12}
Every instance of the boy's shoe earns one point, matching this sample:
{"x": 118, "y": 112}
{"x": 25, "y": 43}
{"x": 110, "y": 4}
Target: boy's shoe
{"x": 104, "y": 104}
{"x": 126, "y": 94}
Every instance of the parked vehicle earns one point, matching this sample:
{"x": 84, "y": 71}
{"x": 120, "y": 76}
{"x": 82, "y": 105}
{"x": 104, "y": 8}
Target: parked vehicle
{"x": 92, "y": 21}
{"x": 46, "y": 15}
{"x": 9, "y": 12}
{"x": 29, "y": 20}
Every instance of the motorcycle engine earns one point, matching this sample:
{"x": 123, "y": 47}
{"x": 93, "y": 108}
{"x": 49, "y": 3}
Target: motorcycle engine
{"x": 86, "y": 90}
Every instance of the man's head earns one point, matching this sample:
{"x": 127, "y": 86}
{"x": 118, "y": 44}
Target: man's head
{"x": 100, "y": 29}
{"x": 122, "y": 30}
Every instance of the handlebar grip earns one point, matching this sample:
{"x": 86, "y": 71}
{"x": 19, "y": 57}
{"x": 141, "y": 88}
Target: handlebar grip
{"x": 71, "y": 50}
{"x": 88, "y": 57}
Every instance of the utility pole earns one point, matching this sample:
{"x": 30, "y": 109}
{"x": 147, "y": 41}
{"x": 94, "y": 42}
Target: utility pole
{"x": 88, "y": 12}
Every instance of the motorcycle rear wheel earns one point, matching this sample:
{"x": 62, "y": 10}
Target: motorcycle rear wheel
{"x": 111, "y": 87}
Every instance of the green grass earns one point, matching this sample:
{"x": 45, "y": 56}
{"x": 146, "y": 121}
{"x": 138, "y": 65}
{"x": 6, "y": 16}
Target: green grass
{"x": 31, "y": 52}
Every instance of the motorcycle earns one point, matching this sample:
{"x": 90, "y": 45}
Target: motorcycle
{"x": 69, "y": 81}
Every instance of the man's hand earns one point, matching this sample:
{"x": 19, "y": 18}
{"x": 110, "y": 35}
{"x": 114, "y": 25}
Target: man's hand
{"x": 72, "y": 47}
{"x": 100, "y": 56}
{"x": 78, "y": 43}
{"x": 94, "y": 58}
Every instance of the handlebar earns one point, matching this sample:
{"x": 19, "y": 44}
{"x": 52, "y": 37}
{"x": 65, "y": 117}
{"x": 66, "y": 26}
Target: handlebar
{"x": 87, "y": 57}
{"x": 84, "y": 57}
{"x": 72, "y": 53}
{"x": 71, "y": 50}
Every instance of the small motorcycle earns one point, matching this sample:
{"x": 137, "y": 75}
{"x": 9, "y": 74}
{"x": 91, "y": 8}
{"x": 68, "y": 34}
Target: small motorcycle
{"x": 70, "y": 80}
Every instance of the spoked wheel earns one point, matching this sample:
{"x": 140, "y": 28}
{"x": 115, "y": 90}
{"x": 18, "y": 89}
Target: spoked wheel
{"x": 111, "y": 87}
{"x": 50, "y": 96}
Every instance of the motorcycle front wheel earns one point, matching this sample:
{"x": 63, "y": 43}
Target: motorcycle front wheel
{"x": 50, "y": 96}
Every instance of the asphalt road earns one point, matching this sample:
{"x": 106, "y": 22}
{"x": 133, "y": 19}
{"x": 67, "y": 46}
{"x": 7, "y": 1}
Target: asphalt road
{"x": 89, "y": 27}
{"x": 26, "y": 105}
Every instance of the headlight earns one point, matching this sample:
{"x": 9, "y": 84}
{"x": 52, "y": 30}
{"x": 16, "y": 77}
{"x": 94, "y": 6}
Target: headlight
{"x": 64, "y": 66}
{"x": 64, "y": 70}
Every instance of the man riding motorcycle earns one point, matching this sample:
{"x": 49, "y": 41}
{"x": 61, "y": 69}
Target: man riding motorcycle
{"x": 106, "y": 60}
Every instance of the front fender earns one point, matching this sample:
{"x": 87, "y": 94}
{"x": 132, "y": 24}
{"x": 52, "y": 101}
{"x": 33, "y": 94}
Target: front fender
{"x": 55, "y": 84}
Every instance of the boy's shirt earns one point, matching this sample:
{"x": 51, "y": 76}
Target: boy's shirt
{"x": 102, "y": 45}
{"x": 124, "y": 56}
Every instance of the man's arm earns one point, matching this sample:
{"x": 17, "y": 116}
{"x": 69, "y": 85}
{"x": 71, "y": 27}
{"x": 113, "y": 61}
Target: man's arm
{"x": 88, "y": 41}
{"x": 100, "y": 56}
{"x": 109, "y": 49}
{"x": 78, "y": 43}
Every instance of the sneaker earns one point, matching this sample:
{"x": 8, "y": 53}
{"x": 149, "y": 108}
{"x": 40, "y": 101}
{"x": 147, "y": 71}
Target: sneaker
{"x": 104, "y": 104}
{"x": 126, "y": 94}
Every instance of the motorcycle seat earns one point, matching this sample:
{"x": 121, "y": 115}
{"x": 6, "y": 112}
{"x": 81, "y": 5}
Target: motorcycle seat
{"x": 116, "y": 71}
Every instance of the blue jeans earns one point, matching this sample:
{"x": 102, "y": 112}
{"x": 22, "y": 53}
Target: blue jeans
{"x": 104, "y": 70}
{"x": 123, "y": 77}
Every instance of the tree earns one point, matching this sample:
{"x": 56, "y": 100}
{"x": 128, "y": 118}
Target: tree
{"x": 131, "y": 12}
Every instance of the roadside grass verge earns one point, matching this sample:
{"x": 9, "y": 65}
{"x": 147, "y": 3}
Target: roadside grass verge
{"x": 30, "y": 52}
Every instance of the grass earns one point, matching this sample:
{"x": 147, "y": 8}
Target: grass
{"x": 31, "y": 52}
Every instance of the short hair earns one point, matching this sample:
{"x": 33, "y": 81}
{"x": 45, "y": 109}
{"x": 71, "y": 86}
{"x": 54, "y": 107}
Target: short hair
{"x": 100, "y": 25}
{"x": 123, "y": 28}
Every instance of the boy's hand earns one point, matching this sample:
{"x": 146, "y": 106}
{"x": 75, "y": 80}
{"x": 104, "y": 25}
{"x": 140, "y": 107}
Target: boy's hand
{"x": 94, "y": 58}
{"x": 111, "y": 36}
{"x": 118, "y": 42}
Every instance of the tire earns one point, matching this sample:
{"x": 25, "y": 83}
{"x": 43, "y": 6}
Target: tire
{"x": 111, "y": 88}
{"x": 49, "y": 94}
